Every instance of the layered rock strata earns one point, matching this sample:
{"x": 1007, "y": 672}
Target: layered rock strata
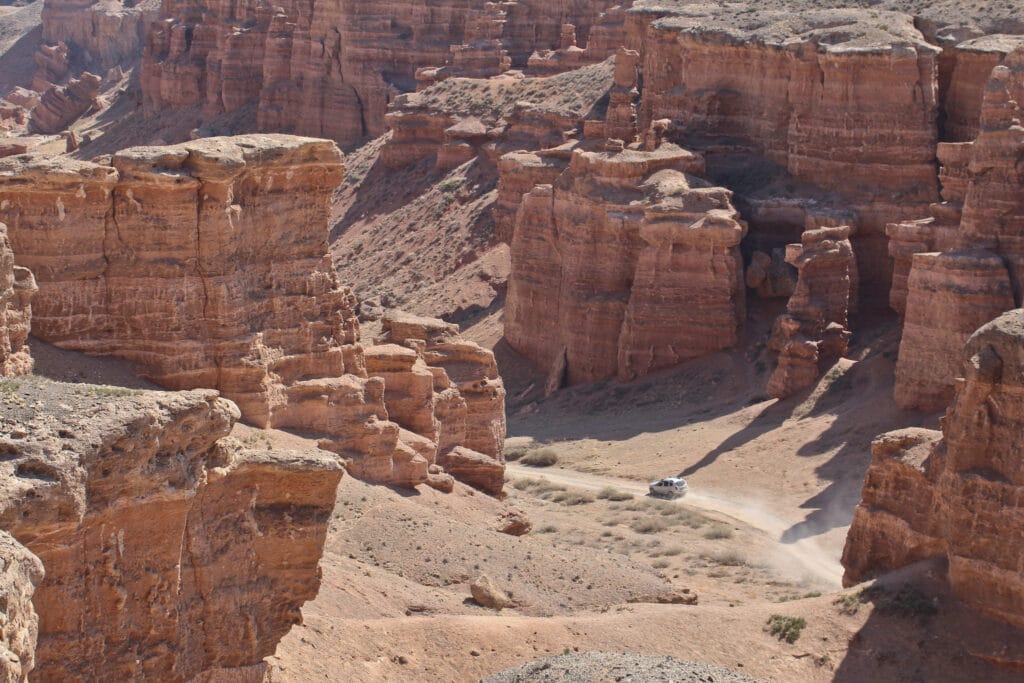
{"x": 182, "y": 552}
{"x": 626, "y": 264}
{"x": 20, "y": 574}
{"x": 446, "y": 390}
{"x": 63, "y": 104}
{"x": 950, "y": 295}
{"x": 956, "y": 493}
{"x": 102, "y": 33}
{"x": 330, "y": 68}
{"x": 207, "y": 265}
{"x": 814, "y": 331}
{"x": 842, "y": 102}
{"x": 17, "y": 288}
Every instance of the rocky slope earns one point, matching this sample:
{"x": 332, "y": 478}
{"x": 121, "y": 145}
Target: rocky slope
{"x": 183, "y": 552}
{"x": 955, "y": 493}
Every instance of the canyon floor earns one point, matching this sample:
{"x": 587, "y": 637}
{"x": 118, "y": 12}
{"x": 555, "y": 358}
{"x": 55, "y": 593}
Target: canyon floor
{"x": 608, "y": 569}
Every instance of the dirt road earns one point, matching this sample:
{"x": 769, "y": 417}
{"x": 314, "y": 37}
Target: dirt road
{"x": 805, "y": 557}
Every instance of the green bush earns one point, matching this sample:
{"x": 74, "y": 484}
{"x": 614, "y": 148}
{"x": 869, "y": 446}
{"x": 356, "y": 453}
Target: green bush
{"x": 786, "y": 628}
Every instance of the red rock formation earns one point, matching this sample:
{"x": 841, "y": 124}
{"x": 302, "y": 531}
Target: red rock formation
{"x": 207, "y": 265}
{"x": 331, "y": 68}
{"x": 61, "y": 106}
{"x": 104, "y": 33}
{"x": 627, "y": 264}
{"x": 463, "y": 415}
{"x": 951, "y": 295}
{"x": 17, "y": 287}
{"x": 181, "y": 552}
{"x": 22, "y": 572}
{"x": 843, "y": 101}
{"x": 813, "y": 333}
{"x": 956, "y": 493}
{"x": 973, "y": 63}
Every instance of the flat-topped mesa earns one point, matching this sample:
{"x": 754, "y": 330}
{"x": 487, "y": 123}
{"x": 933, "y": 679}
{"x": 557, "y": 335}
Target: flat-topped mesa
{"x": 956, "y": 493}
{"x": 206, "y": 263}
{"x": 17, "y": 288}
{"x": 626, "y": 264}
{"x": 842, "y": 100}
{"x": 948, "y": 296}
{"x": 974, "y": 60}
{"x": 183, "y": 551}
{"x": 814, "y": 331}
{"x": 447, "y": 391}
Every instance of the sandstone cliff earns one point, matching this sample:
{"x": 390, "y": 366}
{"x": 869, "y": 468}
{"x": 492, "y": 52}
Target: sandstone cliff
{"x": 842, "y": 101}
{"x": 17, "y": 288}
{"x": 331, "y": 67}
{"x": 168, "y": 551}
{"x": 956, "y": 493}
{"x": 21, "y": 572}
{"x": 207, "y": 265}
{"x": 628, "y": 263}
{"x": 949, "y": 295}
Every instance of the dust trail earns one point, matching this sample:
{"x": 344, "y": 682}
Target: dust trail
{"x": 804, "y": 555}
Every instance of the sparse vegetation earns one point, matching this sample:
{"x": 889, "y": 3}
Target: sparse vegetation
{"x": 648, "y": 526}
{"x": 106, "y": 392}
{"x": 543, "y": 457}
{"x": 573, "y": 498}
{"x": 614, "y": 494}
{"x": 786, "y": 628}
{"x": 727, "y": 558}
{"x": 908, "y": 602}
{"x": 718, "y": 532}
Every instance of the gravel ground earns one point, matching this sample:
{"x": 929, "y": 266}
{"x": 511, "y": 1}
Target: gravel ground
{"x": 598, "y": 667}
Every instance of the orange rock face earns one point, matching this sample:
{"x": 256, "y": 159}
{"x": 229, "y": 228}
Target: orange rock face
{"x": 852, "y": 110}
{"x": 61, "y": 105}
{"x": 956, "y": 493}
{"x": 626, "y": 264}
{"x": 447, "y": 391}
{"x": 207, "y": 265}
{"x": 17, "y": 288}
{"x": 813, "y": 332}
{"x": 22, "y": 572}
{"x": 950, "y": 295}
{"x": 330, "y": 68}
{"x": 182, "y": 552}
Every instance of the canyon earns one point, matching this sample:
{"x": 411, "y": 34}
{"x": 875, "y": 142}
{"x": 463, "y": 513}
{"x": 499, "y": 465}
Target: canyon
{"x": 248, "y": 248}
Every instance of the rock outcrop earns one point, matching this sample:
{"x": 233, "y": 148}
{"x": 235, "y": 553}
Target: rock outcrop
{"x": 949, "y": 295}
{"x": 101, "y": 33}
{"x": 813, "y": 333}
{"x": 447, "y": 391}
{"x": 956, "y": 493}
{"x": 17, "y": 287}
{"x": 181, "y": 551}
{"x": 627, "y": 264}
{"x": 330, "y": 68}
{"x": 206, "y": 264}
{"x": 61, "y": 105}
{"x": 20, "y": 574}
{"x": 843, "y": 101}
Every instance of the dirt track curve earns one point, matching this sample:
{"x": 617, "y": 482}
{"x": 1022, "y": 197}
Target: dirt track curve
{"x": 806, "y": 554}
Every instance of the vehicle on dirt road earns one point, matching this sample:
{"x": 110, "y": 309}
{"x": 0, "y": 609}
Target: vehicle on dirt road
{"x": 670, "y": 487}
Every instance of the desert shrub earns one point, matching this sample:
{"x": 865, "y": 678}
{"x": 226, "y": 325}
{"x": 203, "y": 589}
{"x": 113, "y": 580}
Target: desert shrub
{"x": 718, "y": 532}
{"x": 908, "y": 601}
{"x": 542, "y": 457}
{"x": 728, "y": 558}
{"x": 515, "y": 452}
{"x": 648, "y": 525}
{"x": 573, "y": 498}
{"x": 786, "y": 628}
{"x": 660, "y": 564}
{"x": 547, "y": 529}
{"x": 612, "y": 493}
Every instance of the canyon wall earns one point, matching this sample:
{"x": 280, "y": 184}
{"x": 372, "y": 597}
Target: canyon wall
{"x": 99, "y": 34}
{"x": 207, "y": 265}
{"x": 626, "y": 264}
{"x": 17, "y": 288}
{"x": 981, "y": 228}
{"x": 327, "y": 68}
{"x": 956, "y": 493}
{"x": 168, "y": 550}
{"x": 20, "y": 574}
{"x": 843, "y": 101}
